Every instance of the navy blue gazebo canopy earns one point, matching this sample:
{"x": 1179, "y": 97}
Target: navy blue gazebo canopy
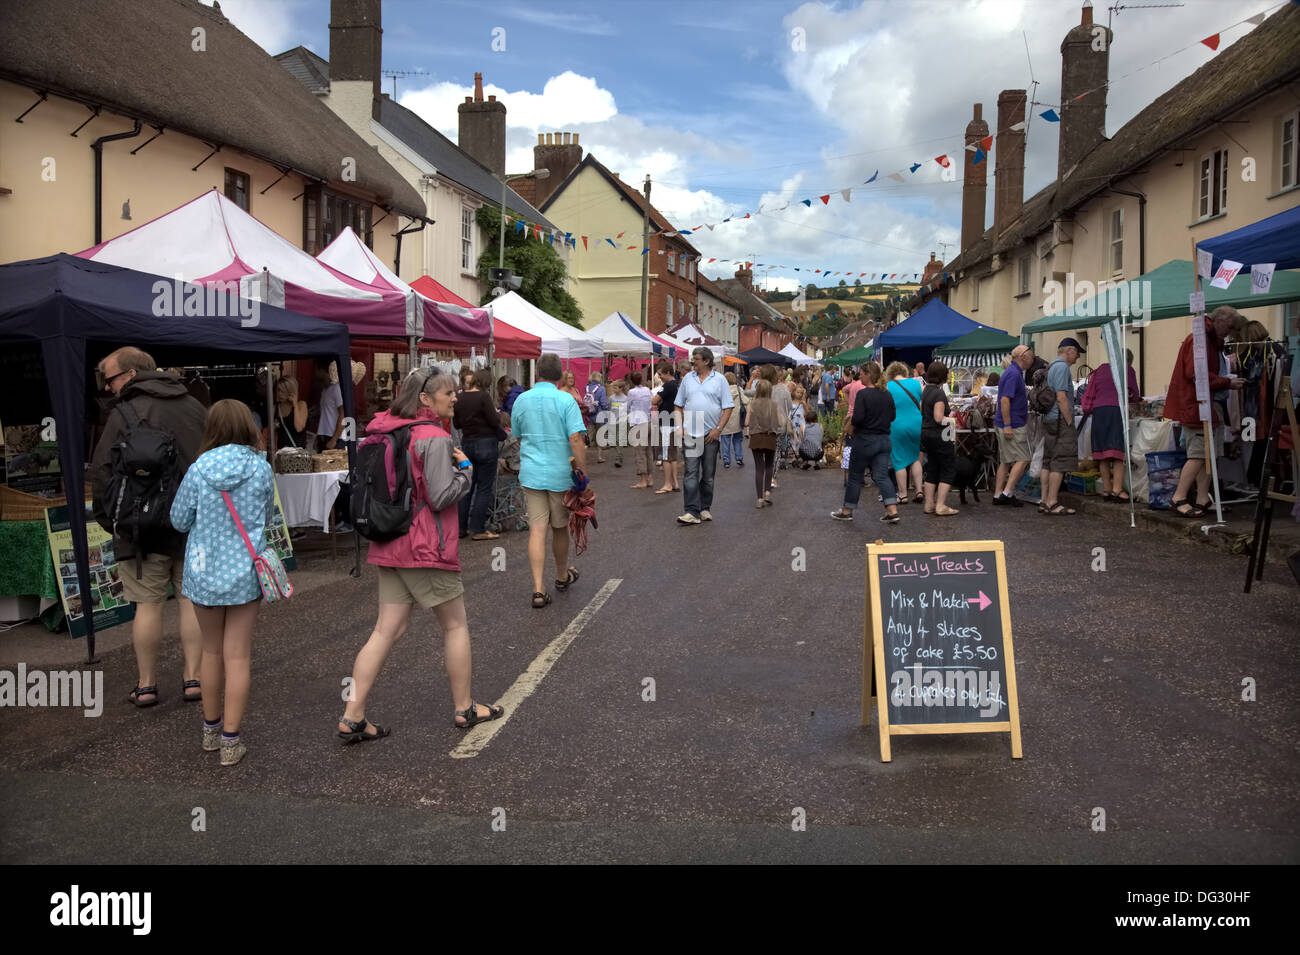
{"x": 63, "y": 302}
{"x": 932, "y": 325}
{"x": 1273, "y": 240}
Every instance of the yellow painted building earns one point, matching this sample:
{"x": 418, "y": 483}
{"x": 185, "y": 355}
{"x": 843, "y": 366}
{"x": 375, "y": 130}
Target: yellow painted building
{"x": 1216, "y": 152}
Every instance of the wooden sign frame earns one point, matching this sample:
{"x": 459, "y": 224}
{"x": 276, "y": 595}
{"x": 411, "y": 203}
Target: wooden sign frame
{"x": 873, "y": 648}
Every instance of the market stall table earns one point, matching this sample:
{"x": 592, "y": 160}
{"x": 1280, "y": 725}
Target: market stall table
{"x": 27, "y": 570}
{"x": 309, "y": 498}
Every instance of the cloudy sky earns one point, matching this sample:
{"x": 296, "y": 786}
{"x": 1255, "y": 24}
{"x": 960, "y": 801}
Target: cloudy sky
{"x": 729, "y": 105}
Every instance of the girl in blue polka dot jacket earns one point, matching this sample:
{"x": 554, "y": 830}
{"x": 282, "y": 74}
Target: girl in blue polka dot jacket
{"x": 219, "y": 576}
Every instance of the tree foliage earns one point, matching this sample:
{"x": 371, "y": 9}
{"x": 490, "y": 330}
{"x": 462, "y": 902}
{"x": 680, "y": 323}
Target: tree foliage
{"x": 536, "y": 263}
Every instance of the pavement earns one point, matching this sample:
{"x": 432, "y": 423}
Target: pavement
{"x": 1130, "y": 680}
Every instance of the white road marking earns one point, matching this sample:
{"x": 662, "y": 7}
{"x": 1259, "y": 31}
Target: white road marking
{"x": 478, "y": 737}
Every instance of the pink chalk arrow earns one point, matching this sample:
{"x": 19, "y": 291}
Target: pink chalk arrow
{"x": 982, "y": 600}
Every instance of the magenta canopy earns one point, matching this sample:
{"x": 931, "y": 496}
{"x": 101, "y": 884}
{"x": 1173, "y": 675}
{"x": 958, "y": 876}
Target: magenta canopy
{"x": 349, "y": 258}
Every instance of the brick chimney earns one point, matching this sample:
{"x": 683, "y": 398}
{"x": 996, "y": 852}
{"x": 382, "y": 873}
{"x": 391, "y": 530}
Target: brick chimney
{"x": 356, "y": 45}
{"x": 558, "y": 152}
{"x": 483, "y": 128}
{"x": 745, "y": 276}
{"x": 1084, "y": 69}
{"x": 974, "y": 187}
{"x": 1009, "y": 176}
{"x": 934, "y": 266}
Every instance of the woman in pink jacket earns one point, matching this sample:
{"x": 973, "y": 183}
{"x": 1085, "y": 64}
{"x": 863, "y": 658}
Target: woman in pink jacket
{"x": 423, "y": 565}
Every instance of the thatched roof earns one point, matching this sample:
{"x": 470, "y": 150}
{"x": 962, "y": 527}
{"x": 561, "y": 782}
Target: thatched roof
{"x": 135, "y": 57}
{"x": 1265, "y": 60}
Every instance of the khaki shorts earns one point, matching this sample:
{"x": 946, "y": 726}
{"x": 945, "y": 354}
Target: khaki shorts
{"x": 1060, "y": 446}
{"x": 1194, "y": 439}
{"x": 546, "y": 504}
{"x": 157, "y": 571}
{"x": 668, "y": 447}
{"x": 426, "y": 586}
{"x": 1014, "y": 448}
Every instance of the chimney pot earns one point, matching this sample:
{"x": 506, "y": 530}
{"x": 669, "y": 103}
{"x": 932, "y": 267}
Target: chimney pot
{"x": 1087, "y": 15}
{"x": 566, "y": 139}
{"x": 478, "y": 87}
{"x": 541, "y": 139}
{"x": 979, "y": 112}
{"x": 492, "y": 98}
{"x": 575, "y": 139}
{"x": 469, "y": 99}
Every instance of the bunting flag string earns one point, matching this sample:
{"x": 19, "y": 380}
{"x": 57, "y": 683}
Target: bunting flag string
{"x": 981, "y": 149}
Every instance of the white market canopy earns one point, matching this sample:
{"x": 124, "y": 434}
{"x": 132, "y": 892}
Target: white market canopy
{"x": 691, "y": 334}
{"x": 558, "y": 337}
{"x": 617, "y": 334}
{"x": 795, "y": 355}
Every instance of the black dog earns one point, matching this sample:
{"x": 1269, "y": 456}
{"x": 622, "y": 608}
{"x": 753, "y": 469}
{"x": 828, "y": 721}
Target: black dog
{"x": 969, "y": 468}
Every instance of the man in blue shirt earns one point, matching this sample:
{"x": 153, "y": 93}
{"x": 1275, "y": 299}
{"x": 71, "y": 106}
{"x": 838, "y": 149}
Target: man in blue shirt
{"x": 1060, "y": 437}
{"x": 549, "y": 426}
{"x": 827, "y": 395}
{"x": 705, "y": 399}
{"x": 1011, "y": 418}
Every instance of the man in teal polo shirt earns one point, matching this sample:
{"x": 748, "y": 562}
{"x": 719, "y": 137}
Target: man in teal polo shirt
{"x": 548, "y": 423}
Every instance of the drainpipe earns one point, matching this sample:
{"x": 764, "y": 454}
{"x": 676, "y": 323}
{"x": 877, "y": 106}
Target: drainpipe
{"x": 397, "y": 270}
{"x": 98, "y": 147}
{"x": 1142, "y": 270}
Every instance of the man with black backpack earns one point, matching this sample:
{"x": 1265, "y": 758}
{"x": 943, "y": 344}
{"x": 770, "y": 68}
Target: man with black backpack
{"x": 150, "y": 439}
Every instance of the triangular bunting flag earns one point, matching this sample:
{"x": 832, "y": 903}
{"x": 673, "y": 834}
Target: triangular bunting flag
{"x": 1017, "y": 127}
{"x": 784, "y": 207}
{"x": 845, "y": 194}
{"x": 806, "y": 202}
{"x": 873, "y": 177}
{"x": 611, "y": 243}
{"x": 686, "y": 232}
{"x": 645, "y": 251}
{"x": 538, "y": 230}
{"x": 710, "y": 261}
{"x": 1212, "y": 41}
{"x": 986, "y": 143}
{"x": 826, "y": 199}
{"x": 584, "y": 242}
{"x": 894, "y": 175}
{"x": 1050, "y": 116}
{"x": 943, "y": 160}
{"x": 980, "y": 156}
{"x": 710, "y": 228}
{"x": 519, "y": 225}
{"x": 619, "y": 236}
{"x": 915, "y": 167}
{"x": 550, "y": 238}
{"x": 1256, "y": 20}
{"x": 630, "y": 248}
{"x": 745, "y": 216}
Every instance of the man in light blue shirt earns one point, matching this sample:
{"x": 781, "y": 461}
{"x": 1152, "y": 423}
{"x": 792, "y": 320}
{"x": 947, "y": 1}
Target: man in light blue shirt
{"x": 548, "y": 423}
{"x": 705, "y": 399}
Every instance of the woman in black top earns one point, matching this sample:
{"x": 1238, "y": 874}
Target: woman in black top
{"x": 869, "y": 446}
{"x": 290, "y": 415}
{"x": 940, "y": 453}
{"x": 477, "y": 421}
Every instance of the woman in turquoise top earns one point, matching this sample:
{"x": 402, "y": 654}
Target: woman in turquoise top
{"x": 905, "y": 432}
{"x": 219, "y": 576}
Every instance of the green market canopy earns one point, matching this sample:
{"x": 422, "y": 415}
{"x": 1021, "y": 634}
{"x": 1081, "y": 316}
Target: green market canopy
{"x": 854, "y": 356}
{"x": 1160, "y": 294}
{"x": 981, "y": 348}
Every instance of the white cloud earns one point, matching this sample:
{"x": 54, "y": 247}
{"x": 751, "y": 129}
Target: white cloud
{"x": 272, "y": 26}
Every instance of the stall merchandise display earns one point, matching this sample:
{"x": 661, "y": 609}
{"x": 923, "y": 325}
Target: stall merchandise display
{"x": 293, "y": 461}
{"x": 334, "y": 460}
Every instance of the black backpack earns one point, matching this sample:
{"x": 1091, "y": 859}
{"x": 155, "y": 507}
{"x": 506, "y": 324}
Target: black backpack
{"x": 146, "y": 472}
{"x": 380, "y": 486}
{"x": 1041, "y": 396}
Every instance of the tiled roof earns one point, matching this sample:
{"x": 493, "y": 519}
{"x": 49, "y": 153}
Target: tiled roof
{"x": 440, "y": 152}
{"x": 134, "y": 57}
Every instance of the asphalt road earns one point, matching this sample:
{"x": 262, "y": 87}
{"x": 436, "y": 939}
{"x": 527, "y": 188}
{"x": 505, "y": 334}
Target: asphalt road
{"x": 1130, "y": 684}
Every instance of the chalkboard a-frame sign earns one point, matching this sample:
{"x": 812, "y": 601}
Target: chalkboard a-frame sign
{"x": 938, "y": 630}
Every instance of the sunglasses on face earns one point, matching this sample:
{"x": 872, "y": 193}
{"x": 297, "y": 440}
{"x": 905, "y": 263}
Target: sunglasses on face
{"x": 105, "y": 382}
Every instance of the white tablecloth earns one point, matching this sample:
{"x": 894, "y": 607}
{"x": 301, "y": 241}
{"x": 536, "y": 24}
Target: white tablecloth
{"x": 307, "y": 498}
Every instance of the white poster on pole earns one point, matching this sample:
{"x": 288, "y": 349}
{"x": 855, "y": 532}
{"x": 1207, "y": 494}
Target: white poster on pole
{"x": 1261, "y": 278}
{"x": 1202, "y": 369}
